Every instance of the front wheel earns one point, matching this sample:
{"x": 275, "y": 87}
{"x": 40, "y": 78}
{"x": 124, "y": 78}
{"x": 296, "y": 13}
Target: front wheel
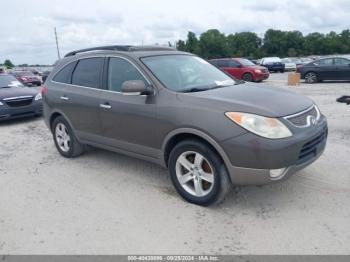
{"x": 311, "y": 78}
{"x": 247, "y": 77}
{"x": 198, "y": 173}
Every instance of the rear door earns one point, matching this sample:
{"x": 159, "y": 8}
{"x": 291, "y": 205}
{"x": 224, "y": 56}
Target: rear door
{"x": 342, "y": 67}
{"x": 80, "y": 100}
{"x": 128, "y": 121}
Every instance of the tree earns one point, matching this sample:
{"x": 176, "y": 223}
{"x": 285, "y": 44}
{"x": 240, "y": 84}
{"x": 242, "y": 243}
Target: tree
{"x": 244, "y": 44}
{"x": 192, "y": 43}
{"x": 181, "y": 45}
{"x": 8, "y": 64}
{"x": 212, "y": 44}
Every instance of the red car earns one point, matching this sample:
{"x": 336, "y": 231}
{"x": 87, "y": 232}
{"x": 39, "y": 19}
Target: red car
{"x": 27, "y": 78}
{"x": 242, "y": 68}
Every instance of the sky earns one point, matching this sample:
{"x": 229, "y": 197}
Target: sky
{"x": 27, "y": 27}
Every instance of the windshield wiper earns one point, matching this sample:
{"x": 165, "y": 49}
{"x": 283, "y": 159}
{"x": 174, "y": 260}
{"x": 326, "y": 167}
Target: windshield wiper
{"x": 199, "y": 89}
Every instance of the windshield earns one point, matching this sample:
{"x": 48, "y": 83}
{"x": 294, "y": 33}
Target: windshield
{"x": 245, "y": 62}
{"x": 9, "y": 81}
{"x": 186, "y": 73}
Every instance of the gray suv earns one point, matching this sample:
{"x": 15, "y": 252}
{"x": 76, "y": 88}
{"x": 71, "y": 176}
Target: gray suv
{"x": 177, "y": 110}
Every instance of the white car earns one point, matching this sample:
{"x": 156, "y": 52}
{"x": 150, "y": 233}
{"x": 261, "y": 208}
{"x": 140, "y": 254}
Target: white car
{"x": 289, "y": 65}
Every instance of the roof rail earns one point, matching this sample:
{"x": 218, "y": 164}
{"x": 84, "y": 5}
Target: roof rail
{"x": 124, "y": 48}
{"x": 112, "y": 48}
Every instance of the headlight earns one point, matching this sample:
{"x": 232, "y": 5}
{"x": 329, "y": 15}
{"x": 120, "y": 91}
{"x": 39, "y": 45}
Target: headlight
{"x": 38, "y": 97}
{"x": 263, "y": 126}
{"x": 258, "y": 71}
{"x": 1, "y": 104}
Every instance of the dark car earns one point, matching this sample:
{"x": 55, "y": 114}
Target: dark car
{"x": 273, "y": 64}
{"x": 177, "y": 110}
{"x": 17, "y": 100}
{"x": 242, "y": 69}
{"x": 331, "y": 68}
{"x": 27, "y": 78}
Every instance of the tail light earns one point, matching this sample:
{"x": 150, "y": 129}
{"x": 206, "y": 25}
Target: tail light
{"x": 43, "y": 90}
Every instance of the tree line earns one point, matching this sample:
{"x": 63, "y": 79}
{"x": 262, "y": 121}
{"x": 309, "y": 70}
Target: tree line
{"x": 215, "y": 44}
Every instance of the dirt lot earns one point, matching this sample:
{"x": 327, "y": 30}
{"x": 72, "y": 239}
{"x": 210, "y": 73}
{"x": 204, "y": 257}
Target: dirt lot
{"x": 105, "y": 203}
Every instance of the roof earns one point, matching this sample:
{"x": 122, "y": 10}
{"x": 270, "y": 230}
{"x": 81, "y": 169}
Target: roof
{"x": 122, "y": 48}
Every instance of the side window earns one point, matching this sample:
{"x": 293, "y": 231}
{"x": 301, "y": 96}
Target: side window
{"x": 119, "y": 71}
{"x": 233, "y": 63}
{"x": 223, "y": 63}
{"x": 325, "y": 62}
{"x": 341, "y": 61}
{"x": 64, "y": 75}
{"x": 87, "y": 72}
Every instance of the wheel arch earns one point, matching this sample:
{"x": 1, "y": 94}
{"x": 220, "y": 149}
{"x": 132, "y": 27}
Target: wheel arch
{"x": 178, "y": 135}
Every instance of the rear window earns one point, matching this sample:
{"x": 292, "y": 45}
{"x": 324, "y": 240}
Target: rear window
{"x": 64, "y": 76}
{"x": 88, "y": 72}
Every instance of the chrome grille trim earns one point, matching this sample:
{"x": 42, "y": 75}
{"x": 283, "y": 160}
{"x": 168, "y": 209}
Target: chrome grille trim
{"x": 17, "y": 98}
{"x": 306, "y": 114}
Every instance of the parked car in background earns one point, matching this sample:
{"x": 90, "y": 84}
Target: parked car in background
{"x": 16, "y": 100}
{"x": 273, "y": 64}
{"x": 332, "y": 68}
{"x": 177, "y": 110}
{"x": 27, "y": 78}
{"x": 289, "y": 65}
{"x": 45, "y": 75}
{"x": 242, "y": 69}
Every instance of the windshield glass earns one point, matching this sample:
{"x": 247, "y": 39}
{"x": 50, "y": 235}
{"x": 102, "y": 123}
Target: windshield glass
{"x": 9, "y": 81}
{"x": 183, "y": 73}
{"x": 245, "y": 62}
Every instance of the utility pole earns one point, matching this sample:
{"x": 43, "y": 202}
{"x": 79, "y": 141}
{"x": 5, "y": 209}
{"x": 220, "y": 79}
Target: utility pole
{"x": 58, "y": 50}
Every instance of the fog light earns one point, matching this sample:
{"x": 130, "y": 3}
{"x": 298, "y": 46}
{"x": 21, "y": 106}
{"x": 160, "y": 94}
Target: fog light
{"x": 276, "y": 173}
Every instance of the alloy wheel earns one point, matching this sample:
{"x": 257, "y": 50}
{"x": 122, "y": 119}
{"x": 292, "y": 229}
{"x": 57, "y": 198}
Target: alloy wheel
{"x": 311, "y": 78}
{"x": 194, "y": 173}
{"x": 62, "y": 136}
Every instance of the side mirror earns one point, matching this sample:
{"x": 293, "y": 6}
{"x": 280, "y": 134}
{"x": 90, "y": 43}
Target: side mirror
{"x": 136, "y": 87}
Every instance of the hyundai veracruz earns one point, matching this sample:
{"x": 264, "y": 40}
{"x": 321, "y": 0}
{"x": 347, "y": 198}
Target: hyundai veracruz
{"x": 177, "y": 110}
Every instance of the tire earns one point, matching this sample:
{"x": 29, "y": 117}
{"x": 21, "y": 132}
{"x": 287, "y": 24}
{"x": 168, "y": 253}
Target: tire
{"x": 196, "y": 186}
{"x": 311, "y": 77}
{"x": 248, "y": 77}
{"x": 68, "y": 147}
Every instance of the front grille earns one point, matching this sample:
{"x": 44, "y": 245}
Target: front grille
{"x": 310, "y": 149}
{"x": 303, "y": 118}
{"x": 19, "y": 102}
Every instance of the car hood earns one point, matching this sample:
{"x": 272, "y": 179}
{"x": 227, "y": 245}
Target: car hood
{"x": 17, "y": 91}
{"x": 250, "y": 98}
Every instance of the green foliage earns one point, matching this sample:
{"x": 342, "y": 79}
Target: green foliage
{"x": 8, "y": 64}
{"x": 214, "y": 44}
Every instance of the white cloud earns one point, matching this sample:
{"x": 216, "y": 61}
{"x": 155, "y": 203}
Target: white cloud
{"x": 27, "y": 36}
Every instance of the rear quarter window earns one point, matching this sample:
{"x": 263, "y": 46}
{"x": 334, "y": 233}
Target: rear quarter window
{"x": 65, "y": 74}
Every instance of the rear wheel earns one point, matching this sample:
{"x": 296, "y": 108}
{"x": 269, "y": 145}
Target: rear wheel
{"x": 311, "y": 77}
{"x": 64, "y": 138}
{"x": 198, "y": 173}
{"x": 248, "y": 77}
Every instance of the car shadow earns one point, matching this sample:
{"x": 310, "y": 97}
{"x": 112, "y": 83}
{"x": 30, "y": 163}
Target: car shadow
{"x": 264, "y": 199}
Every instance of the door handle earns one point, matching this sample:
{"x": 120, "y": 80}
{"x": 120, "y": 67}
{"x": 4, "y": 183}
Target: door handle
{"x": 106, "y": 106}
{"x": 64, "y": 98}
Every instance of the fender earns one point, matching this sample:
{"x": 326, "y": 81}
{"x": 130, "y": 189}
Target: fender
{"x": 196, "y": 132}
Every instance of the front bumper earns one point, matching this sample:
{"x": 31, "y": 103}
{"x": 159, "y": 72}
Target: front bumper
{"x": 251, "y": 164}
{"x": 34, "y": 109}
{"x": 260, "y": 77}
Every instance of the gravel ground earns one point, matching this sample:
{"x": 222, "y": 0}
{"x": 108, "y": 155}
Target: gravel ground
{"x": 106, "y": 203}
